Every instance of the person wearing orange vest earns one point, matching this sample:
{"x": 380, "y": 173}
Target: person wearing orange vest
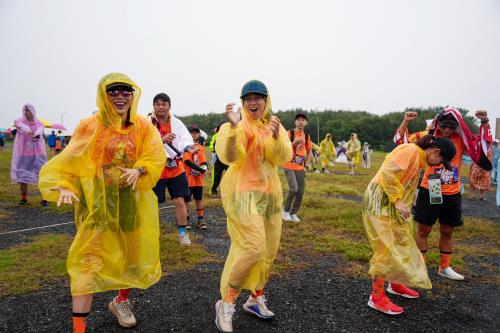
{"x": 295, "y": 168}
{"x": 196, "y": 168}
{"x": 447, "y": 124}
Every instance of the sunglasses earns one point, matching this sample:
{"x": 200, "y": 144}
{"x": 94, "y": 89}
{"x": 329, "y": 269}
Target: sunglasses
{"x": 450, "y": 126}
{"x": 116, "y": 92}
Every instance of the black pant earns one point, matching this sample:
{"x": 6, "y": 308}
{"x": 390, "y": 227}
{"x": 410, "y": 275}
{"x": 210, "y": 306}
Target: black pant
{"x": 219, "y": 168}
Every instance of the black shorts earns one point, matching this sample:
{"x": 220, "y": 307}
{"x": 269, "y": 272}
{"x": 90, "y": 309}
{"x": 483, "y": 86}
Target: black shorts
{"x": 196, "y": 192}
{"x": 449, "y": 212}
{"x": 177, "y": 187}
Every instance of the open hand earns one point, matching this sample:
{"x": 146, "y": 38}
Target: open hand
{"x": 65, "y": 196}
{"x": 403, "y": 209}
{"x": 130, "y": 175}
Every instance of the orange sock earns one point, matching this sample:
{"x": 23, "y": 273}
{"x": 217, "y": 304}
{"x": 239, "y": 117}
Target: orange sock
{"x": 258, "y": 293}
{"x": 79, "y": 325}
{"x": 123, "y": 295}
{"x": 199, "y": 212}
{"x": 445, "y": 259}
{"x": 231, "y": 295}
{"x": 378, "y": 288}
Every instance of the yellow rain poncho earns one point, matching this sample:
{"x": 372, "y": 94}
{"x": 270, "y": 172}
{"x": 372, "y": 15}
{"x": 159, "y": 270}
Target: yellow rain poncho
{"x": 117, "y": 241}
{"x": 353, "y": 150}
{"x": 396, "y": 256}
{"x": 327, "y": 151}
{"x": 252, "y": 198}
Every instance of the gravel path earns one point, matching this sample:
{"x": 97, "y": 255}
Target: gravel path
{"x": 316, "y": 299}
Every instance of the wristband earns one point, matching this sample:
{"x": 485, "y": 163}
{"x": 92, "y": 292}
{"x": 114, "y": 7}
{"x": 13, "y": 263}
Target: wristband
{"x": 484, "y": 121}
{"x": 141, "y": 170}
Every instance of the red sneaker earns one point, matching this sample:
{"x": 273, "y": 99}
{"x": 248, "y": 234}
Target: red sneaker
{"x": 385, "y": 305}
{"x": 402, "y": 290}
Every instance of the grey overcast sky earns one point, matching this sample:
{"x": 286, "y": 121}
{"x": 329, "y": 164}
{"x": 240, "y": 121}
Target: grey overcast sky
{"x": 378, "y": 56}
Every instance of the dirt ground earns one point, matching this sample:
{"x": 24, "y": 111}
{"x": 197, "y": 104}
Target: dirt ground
{"x": 319, "y": 298}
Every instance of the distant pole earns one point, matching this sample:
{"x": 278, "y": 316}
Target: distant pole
{"x": 317, "y": 122}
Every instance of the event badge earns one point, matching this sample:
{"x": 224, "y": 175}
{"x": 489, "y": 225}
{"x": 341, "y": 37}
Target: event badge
{"x": 435, "y": 194}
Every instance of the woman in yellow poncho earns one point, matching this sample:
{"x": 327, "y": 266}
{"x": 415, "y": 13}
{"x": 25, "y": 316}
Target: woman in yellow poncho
{"x": 252, "y": 198}
{"x": 109, "y": 168}
{"x": 388, "y": 223}
{"x": 353, "y": 152}
{"x": 327, "y": 152}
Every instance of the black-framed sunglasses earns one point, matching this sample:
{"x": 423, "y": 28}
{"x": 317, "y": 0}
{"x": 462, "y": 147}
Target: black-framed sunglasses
{"x": 452, "y": 127}
{"x": 118, "y": 91}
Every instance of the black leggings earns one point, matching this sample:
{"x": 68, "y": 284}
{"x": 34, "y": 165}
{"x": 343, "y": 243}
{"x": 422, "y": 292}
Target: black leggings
{"x": 219, "y": 168}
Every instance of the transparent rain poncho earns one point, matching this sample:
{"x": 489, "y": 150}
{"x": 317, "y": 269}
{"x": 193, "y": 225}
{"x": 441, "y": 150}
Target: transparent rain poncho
{"x": 117, "y": 241}
{"x": 28, "y": 153}
{"x": 327, "y": 150}
{"x": 396, "y": 256}
{"x": 353, "y": 147}
{"x": 252, "y": 198}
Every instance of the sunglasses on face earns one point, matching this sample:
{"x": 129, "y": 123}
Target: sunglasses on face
{"x": 450, "y": 126}
{"x": 116, "y": 92}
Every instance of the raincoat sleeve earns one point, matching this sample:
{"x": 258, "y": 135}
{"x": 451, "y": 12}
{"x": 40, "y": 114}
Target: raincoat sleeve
{"x": 392, "y": 171}
{"x": 20, "y": 126}
{"x": 152, "y": 157}
{"x": 39, "y": 130}
{"x": 65, "y": 169}
{"x": 229, "y": 145}
{"x": 279, "y": 151}
{"x": 212, "y": 143}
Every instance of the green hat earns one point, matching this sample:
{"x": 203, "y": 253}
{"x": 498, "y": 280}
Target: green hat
{"x": 255, "y": 87}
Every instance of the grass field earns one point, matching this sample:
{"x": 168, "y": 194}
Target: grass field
{"x": 331, "y": 225}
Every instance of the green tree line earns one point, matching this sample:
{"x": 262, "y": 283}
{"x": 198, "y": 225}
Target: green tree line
{"x": 377, "y": 130}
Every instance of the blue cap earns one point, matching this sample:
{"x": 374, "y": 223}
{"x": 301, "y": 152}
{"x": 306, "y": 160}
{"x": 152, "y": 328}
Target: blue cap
{"x": 255, "y": 87}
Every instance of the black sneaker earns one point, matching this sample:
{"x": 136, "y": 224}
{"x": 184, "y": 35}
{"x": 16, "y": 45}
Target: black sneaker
{"x": 44, "y": 203}
{"x": 23, "y": 202}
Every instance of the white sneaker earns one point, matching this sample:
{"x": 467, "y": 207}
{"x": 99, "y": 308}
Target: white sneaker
{"x": 224, "y": 316}
{"x": 351, "y": 173}
{"x": 184, "y": 239}
{"x": 450, "y": 274}
{"x": 287, "y": 217}
{"x": 326, "y": 172}
{"x": 258, "y": 307}
{"x": 123, "y": 312}
{"x": 317, "y": 171}
{"x": 295, "y": 218}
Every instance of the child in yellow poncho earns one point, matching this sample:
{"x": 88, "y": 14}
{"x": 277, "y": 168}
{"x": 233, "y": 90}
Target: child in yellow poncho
{"x": 327, "y": 152}
{"x": 252, "y": 198}
{"x": 109, "y": 168}
{"x": 388, "y": 223}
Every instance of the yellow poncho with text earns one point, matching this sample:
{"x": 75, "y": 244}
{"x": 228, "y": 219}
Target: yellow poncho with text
{"x": 252, "y": 198}
{"x": 396, "y": 256}
{"x": 117, "y": 241}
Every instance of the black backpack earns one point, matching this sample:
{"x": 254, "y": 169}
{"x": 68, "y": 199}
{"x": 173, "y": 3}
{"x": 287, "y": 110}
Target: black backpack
{"x": 292, "y": 136}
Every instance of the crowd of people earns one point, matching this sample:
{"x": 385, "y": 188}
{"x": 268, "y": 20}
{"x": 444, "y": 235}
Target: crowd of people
{"x": 118, "y": 166}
